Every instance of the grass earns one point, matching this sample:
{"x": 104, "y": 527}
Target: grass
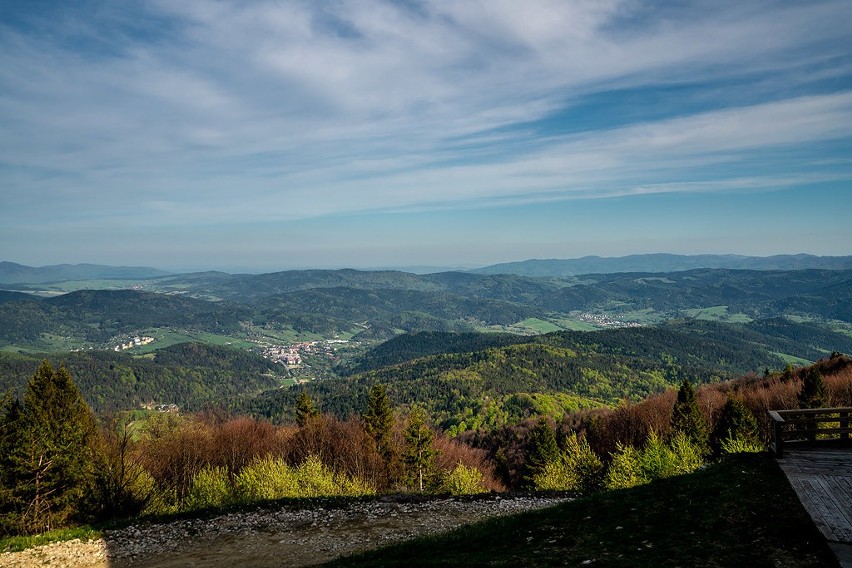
{"x": 538, "y": 325}
{"x": 19, "y": 543}
{"x": 717, "y": 313}
{"x": 575, "y": 324}
{"x": 792, "y": 359}
{"x": 738, "y": 513}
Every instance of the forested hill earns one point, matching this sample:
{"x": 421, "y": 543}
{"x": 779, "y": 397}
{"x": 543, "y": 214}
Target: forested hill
{"x": 96, "y": 316}
{"x": 735, "y": 348}
{"x": 190, "y": 375}
{"x": 473, "y": 380}
{"x": 756, "y": 294}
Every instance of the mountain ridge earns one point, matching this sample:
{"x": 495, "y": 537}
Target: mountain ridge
{"x": 14, "y": 273}
{"x": 664, "y": 262}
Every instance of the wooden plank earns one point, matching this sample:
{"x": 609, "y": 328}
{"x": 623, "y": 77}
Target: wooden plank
{"x": 833, "y": 501}
{"x": 822, "y": 479}
{"x": 843, "y": 552}
{"x": 823, "y": 516}
{"x": 841, "y": 498}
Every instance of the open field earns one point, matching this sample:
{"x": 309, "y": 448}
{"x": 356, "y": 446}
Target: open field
{"x": 717, "y": 313}
{"x": 536, "y": 325}
{"x": 792, "y": 359}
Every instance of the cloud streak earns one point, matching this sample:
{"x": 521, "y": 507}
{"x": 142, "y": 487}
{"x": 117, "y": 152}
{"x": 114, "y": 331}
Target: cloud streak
{"x": 209, "y": 112}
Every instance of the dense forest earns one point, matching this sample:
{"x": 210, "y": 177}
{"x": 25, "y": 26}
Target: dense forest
{"x": 190, "y": 375}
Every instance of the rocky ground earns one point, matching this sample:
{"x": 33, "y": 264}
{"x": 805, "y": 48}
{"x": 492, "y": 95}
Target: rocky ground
{"x": 282, "y": 536}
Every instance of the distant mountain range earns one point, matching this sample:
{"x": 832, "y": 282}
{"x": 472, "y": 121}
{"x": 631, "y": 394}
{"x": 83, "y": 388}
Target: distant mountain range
{"x": 665, "y": 263}
{"x": 13, "y": 273}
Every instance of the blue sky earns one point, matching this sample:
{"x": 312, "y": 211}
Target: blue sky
{"x": 271, "y": 135}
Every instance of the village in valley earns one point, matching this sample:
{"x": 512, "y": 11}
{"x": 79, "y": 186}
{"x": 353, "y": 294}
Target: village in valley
{"x": 291, "y": 355}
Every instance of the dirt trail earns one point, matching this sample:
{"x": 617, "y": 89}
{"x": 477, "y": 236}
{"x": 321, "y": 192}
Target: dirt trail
{"x": 271, "y": 537}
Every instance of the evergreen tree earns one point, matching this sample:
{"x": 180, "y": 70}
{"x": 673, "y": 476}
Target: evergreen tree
{"x": 735, "y": 423}
{"x": 50, "y": 465}
{"x": 541, "y": 450}
{"x": 419, "y": 456}
{"x": 378, "y": 419}
{"x": 10, "y": 435}
{"x": 687, "y": 417}
{"x": 814, "y": 393}
{"x": 305, "y": 409}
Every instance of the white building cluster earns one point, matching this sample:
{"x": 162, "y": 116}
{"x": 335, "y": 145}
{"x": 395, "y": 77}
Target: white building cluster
{"x": 134, "y": 342}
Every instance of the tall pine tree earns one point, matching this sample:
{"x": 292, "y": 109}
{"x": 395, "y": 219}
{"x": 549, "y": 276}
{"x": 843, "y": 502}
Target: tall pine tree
{"x": 49, "y": 466}
{"x": 814, "y": 393}
{"x": 735, "y": 423}
{"x": 306, "y": 410}
{"x": 687, "y": 417}
{"x": 540, "y": 451}
{"x": 419, "y": 457}
{"x": 378, "y": 420}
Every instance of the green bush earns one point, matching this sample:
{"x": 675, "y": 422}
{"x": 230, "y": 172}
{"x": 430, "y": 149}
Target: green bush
{"x": 656, "y": 460}
{"x": 624, "y": 469}
{"x": 271, "y": 478}
{"x": 463, "y": 480}
{"x": 578, "y": 468}
{"x": 741, "y": 445}
{"x": 210, "y": 488}
{"x": 266, "y": 479}
{"x": 315, "y": 479}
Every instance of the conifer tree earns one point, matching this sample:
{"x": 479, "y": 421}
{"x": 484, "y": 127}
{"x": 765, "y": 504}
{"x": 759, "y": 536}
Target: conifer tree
{"x": 378, "y": 419}
{"x": 305, "y": 409}
{"x": 419, "y": 456}
{"x": 50, "y": 465}
{"x": 10, "y": 436}
{"x": 814, "y": 393}
{"x": 541, "y": 450}
{"x": 687, "y": 417}
{"x": 735, "y": 423}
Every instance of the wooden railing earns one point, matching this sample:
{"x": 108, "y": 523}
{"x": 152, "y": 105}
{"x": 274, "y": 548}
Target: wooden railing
{"x": 812, "y": 426}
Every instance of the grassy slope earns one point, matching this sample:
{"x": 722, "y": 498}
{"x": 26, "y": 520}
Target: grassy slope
{"x": 739, "y": 513}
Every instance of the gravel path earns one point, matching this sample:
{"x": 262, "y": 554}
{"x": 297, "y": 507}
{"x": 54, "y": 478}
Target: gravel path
{"x": 272, "y": 537}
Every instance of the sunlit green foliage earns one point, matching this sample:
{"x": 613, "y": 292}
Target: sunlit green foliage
{"x": 463, "y": 480}
{"x": 657, "y": 459}
{"x": 210, "y": 488}
{"x": 272, "y": 478}
{"x": 578, "y": 468}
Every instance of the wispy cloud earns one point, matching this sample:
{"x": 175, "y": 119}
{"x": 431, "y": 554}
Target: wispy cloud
{"x": 207, "y": 111}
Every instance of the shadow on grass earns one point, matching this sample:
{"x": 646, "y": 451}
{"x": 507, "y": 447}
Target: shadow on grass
{"x": 741, "y": 512}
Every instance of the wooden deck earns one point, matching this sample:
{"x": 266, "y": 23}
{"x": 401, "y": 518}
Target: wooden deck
{"x": 822, "y": 478}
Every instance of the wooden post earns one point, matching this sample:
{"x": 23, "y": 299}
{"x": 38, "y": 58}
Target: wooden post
{"x": 844, "y": 424}
{"x": 777, "y": 434}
